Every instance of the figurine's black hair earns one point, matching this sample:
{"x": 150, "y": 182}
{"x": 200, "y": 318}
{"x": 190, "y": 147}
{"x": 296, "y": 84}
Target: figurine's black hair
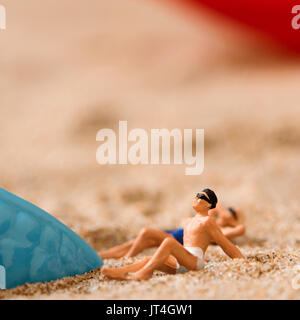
{"x": 233, "y": 212}
{"x": 213, "y": 200}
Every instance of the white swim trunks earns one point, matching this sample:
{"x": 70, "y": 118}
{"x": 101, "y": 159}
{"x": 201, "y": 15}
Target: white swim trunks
{"x": 197, "y": 252}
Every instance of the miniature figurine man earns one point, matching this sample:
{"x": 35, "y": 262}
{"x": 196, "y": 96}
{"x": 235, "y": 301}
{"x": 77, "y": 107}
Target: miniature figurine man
{"x": 172, "y": 257}
{"x": 229, "y": 220}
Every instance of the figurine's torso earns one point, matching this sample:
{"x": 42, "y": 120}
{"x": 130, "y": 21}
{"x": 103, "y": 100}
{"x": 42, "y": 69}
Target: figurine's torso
{"x": 195, "y": 232}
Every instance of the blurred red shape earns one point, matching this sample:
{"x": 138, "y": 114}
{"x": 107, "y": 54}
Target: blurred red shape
{"x": 272, "y": 17}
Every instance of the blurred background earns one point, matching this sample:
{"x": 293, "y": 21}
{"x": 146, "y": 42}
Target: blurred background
{"x": 69, "y": 68}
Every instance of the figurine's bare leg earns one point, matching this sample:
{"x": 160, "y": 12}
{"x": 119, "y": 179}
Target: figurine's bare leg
{"x": 147, "y": 238}
{"x": 110, "y": 272}
{"x": 117, "y": 252}
{"x": 120, "y": 273}
{"x": 168, "y": 247}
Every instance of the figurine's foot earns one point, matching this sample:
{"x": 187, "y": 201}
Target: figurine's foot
{"x": 110, "y": 271}
{"x": 104, "y": 255}
{"x": 117, "y": 274}
{"x": 113, "y": 273}
{"x": 101, "y": 255}
{"x": 140, "y": 275}
{"x": 109, "y": 255}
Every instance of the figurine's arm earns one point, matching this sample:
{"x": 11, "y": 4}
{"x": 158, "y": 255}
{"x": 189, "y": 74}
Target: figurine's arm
{"x": 218, "y": 237}
{"x": 233, "y": 232}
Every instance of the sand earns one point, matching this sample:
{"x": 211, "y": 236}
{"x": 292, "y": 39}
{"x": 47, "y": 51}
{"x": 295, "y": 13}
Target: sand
{"x": 68, "y": 71}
